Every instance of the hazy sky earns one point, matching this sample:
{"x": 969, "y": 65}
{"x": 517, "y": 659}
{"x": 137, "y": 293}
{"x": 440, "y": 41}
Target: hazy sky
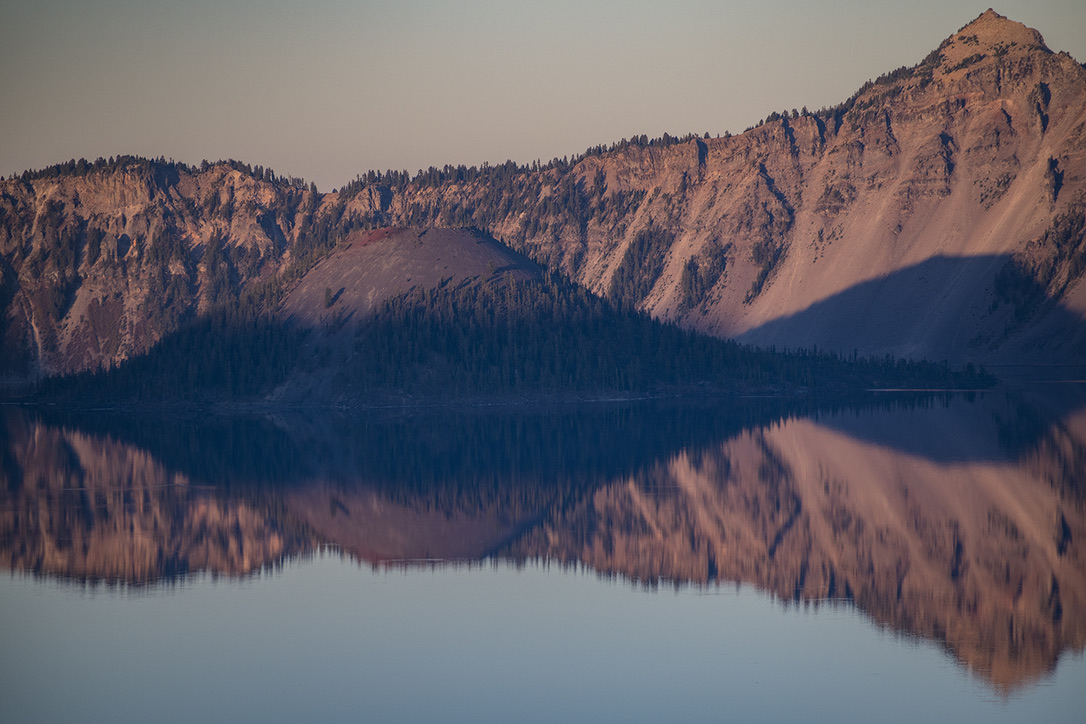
{"x": 327, "y": 89}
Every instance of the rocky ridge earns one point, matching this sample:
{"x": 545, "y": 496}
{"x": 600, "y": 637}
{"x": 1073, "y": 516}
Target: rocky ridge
{"x": 881, "y": 225}
{"x": 937, "y": 213}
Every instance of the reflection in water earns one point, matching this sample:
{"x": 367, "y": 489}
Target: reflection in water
{"x": 80, "y": 506}
{"x": 960, "y": 520}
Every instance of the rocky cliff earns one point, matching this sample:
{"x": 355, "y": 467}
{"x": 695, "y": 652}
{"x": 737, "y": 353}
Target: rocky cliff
{"x": 100, "y": 261}
{"x": 939, "y": 212}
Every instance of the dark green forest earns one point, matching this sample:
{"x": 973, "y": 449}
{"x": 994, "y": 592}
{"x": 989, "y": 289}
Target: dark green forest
{"x": 492, "y": 339}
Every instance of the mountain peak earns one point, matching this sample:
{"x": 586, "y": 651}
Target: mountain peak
{"x": 992, "y": 31}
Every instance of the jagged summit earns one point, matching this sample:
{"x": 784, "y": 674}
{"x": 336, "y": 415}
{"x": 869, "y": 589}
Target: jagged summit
{"x": 989, "y": 39}
{"x": 992, "y": 31}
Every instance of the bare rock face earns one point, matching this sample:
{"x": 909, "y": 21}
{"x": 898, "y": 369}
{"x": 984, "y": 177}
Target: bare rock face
{"x": 934, "y": 184}
{"x": 99, "y": 262}
{"x": 940, "y": 212}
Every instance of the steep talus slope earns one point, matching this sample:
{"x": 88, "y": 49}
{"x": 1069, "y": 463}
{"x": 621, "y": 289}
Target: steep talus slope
{"x": 960, "y": 170}
{"x": 367, "y": 269}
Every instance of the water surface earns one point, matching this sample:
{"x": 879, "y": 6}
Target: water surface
{"x": 897, "y": 558}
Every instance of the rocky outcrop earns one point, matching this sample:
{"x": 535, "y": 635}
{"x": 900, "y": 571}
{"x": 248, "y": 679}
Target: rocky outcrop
{"x": 101, "y": 261}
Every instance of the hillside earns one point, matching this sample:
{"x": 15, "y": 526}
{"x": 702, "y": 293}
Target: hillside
{"x": 367, "y": 269}
{"x": 938, "y": 213}
{"x": 100, "y": 261}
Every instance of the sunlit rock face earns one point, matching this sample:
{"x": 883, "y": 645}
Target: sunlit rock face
{"x": 956, "y": 519}
{"x": 937, "y": 213}
{"x": 883, "y": 226}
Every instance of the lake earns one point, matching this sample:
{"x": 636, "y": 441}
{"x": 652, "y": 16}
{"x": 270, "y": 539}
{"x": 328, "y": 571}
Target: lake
{"x": 891, "y": 557}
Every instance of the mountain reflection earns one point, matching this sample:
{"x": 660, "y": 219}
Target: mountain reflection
{"x": 958, "y": 519}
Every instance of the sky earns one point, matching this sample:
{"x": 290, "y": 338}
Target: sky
{"x": 328, "y": 89}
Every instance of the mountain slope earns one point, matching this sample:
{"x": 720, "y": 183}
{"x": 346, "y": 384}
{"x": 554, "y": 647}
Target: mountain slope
{"x": 98, "y": 262}
{"x": 970, "y": 156}
{"x": 368, "y": 269}
{"x": 939, "y": 213}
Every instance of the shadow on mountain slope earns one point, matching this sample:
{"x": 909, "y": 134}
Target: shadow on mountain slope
{"x": 942, "y": 308}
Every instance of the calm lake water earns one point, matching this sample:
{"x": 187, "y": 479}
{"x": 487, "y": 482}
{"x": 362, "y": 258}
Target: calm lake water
{"x": 895, "y": 558}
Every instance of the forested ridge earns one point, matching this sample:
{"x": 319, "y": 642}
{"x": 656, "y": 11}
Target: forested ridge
{"x": 216, "y": 308}
{"x": 493, "y": 340}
